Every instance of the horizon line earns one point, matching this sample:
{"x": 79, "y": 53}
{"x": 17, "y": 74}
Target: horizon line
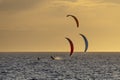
{"x": 54, "y": 51}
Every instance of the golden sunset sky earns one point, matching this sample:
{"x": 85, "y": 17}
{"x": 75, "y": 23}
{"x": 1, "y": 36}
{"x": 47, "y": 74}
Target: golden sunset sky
{"x": 42, "y": 25}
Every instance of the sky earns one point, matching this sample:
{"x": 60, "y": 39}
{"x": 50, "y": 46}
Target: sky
{"x": 42, "y": 25}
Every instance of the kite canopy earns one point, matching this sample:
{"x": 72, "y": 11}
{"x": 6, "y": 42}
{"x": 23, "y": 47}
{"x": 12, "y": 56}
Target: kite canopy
{"x": 75, "y": 18}
{"x": 71, "y": 46}
{"x": 86, "y": 42}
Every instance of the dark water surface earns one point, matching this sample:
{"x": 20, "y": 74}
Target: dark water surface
{"x": 90, "y": 66}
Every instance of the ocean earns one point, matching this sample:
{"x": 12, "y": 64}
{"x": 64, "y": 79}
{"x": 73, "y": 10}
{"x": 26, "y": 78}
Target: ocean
{"x": 80, "y": 66}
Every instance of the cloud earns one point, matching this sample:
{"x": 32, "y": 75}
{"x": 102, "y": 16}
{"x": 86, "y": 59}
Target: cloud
{"x": 17, "y": 5}
{"x": 111, "y": 1}
{"x": 85, "y": 3}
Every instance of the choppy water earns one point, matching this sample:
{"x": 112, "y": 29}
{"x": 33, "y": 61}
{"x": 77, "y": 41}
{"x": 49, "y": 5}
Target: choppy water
{"x": 90, "y": 66}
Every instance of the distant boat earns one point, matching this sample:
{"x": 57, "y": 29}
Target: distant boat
{"x": 33, "y": 79}
{"x": 52, "y": 58}
{"x": 56, "y": 58}
{"x": 38, "y": 58}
